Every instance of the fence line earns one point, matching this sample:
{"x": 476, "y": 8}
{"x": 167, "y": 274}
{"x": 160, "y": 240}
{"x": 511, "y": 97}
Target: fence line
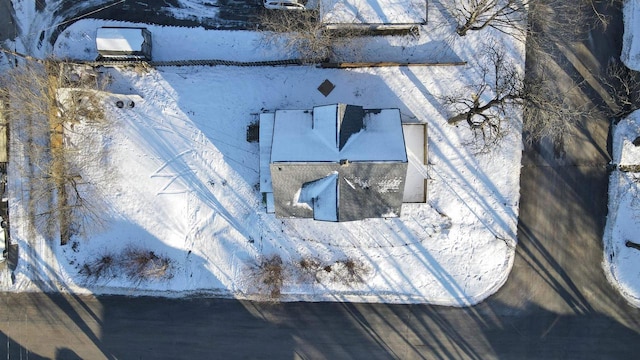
{"x": 196, "y": 63}
{"x": 295, "y": 62}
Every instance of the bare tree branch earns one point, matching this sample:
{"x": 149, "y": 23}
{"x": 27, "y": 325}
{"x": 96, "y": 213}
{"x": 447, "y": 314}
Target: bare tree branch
{"x": 623, "y": 85}
{"x": 47, "y": 100}
{"x": 302, "y": 34}
{"x": 495, "y": 98}
{"x": 503, "y": 91}
{"x": 507, "y": 16}
{"x": 299, "y": 33}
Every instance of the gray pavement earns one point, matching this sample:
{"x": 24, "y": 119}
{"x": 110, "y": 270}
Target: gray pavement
{"x": 556, "y": 303}
{"x": 8, "y": 26}
{"x": 214, "y": 14}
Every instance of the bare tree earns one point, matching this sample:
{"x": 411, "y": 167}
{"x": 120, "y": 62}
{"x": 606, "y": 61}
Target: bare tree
{"x": 623, "y": 85}
{"x": 302, "y": 34}
{"x": 47, "y": 101}
{"x": 508, "y": 16}
{"x": 267, "y": 277}
{"x": 554, "y": 102}
{"x": 524, "y": 18}
{"x": 598, "y": 14}
{"x": 299, "y": 33}
{"x": 552, "y": 22}
{"x": 548, "y": 110}
{"x": 485, "y": 105}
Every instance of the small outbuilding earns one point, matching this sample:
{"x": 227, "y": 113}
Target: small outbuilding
{"x": 123, "y": 43}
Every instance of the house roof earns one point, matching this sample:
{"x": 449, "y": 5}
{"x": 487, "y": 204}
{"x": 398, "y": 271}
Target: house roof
{"x": 337, "y": 162}
{"x": 334, "y": 133}
{"x": 373, "y": 11}
{"x": 266, "y": 139}
{"x": 119, "y": 39}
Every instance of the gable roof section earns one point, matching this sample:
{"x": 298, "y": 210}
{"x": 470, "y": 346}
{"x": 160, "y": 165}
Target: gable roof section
{"x": 350, "y": 120}
{"x": 371, "y": 190}
{"x": 322, "y": 196}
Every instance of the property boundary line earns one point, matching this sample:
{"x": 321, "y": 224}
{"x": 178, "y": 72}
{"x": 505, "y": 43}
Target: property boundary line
{"x": 289, "y": 62}
{"x": 196, "y": 63}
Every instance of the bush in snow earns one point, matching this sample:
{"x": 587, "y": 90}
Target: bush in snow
{"x": 104, "y": 266}
{"x": 350, "y": 271}
{"x": 309, "y": 269}
{"x": 136, "y": 263}
{"x": 268, "y": 276}
{"x": 346, "y": 271}
{"x": 140, "y": 264}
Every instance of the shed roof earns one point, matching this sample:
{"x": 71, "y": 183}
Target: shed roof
{"x": 119, "y": 39}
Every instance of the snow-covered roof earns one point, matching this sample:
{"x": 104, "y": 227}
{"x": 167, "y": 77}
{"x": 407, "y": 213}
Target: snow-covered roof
{"x": 373, "y": 11}
{"x": 266, "y": 137}
{"x": 415, "y": 188}
{"x": 119, "y": 39}
{"x": 336, "y": 163}
{"x": 308, "y": 136}
{"x": 322, "y": 196}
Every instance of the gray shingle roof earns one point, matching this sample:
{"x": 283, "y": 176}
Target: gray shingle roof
{"x": 365, "y": 189}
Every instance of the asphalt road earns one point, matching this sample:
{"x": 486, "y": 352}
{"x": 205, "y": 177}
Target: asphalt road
{"x": 8, "y": 28}
{"x": 556, "y": 304}
{"x": 214, "y": 14}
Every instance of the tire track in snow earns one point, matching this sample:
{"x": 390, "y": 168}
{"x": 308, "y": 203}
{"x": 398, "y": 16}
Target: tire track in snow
{"x": 172, "y": 176}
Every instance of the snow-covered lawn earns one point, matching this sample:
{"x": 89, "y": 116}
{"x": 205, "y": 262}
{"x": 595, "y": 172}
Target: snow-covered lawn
{"x": 183, "y": 180}
{"x": 622, "y": 263}
{"x": 630, "y": 55}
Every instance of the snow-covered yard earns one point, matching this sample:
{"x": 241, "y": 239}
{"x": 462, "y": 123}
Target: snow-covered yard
{"x": 183, "y": 180}
{"x": 623, "y": 224}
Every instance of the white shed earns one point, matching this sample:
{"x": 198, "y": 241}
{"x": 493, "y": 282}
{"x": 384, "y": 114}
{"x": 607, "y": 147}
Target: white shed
{"x": 123, "y": 43}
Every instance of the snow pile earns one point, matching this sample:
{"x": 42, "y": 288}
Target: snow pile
{"x": 631, "y": 46}
{"x": 621, "y": 262}
{"x": 184, "y": 182}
